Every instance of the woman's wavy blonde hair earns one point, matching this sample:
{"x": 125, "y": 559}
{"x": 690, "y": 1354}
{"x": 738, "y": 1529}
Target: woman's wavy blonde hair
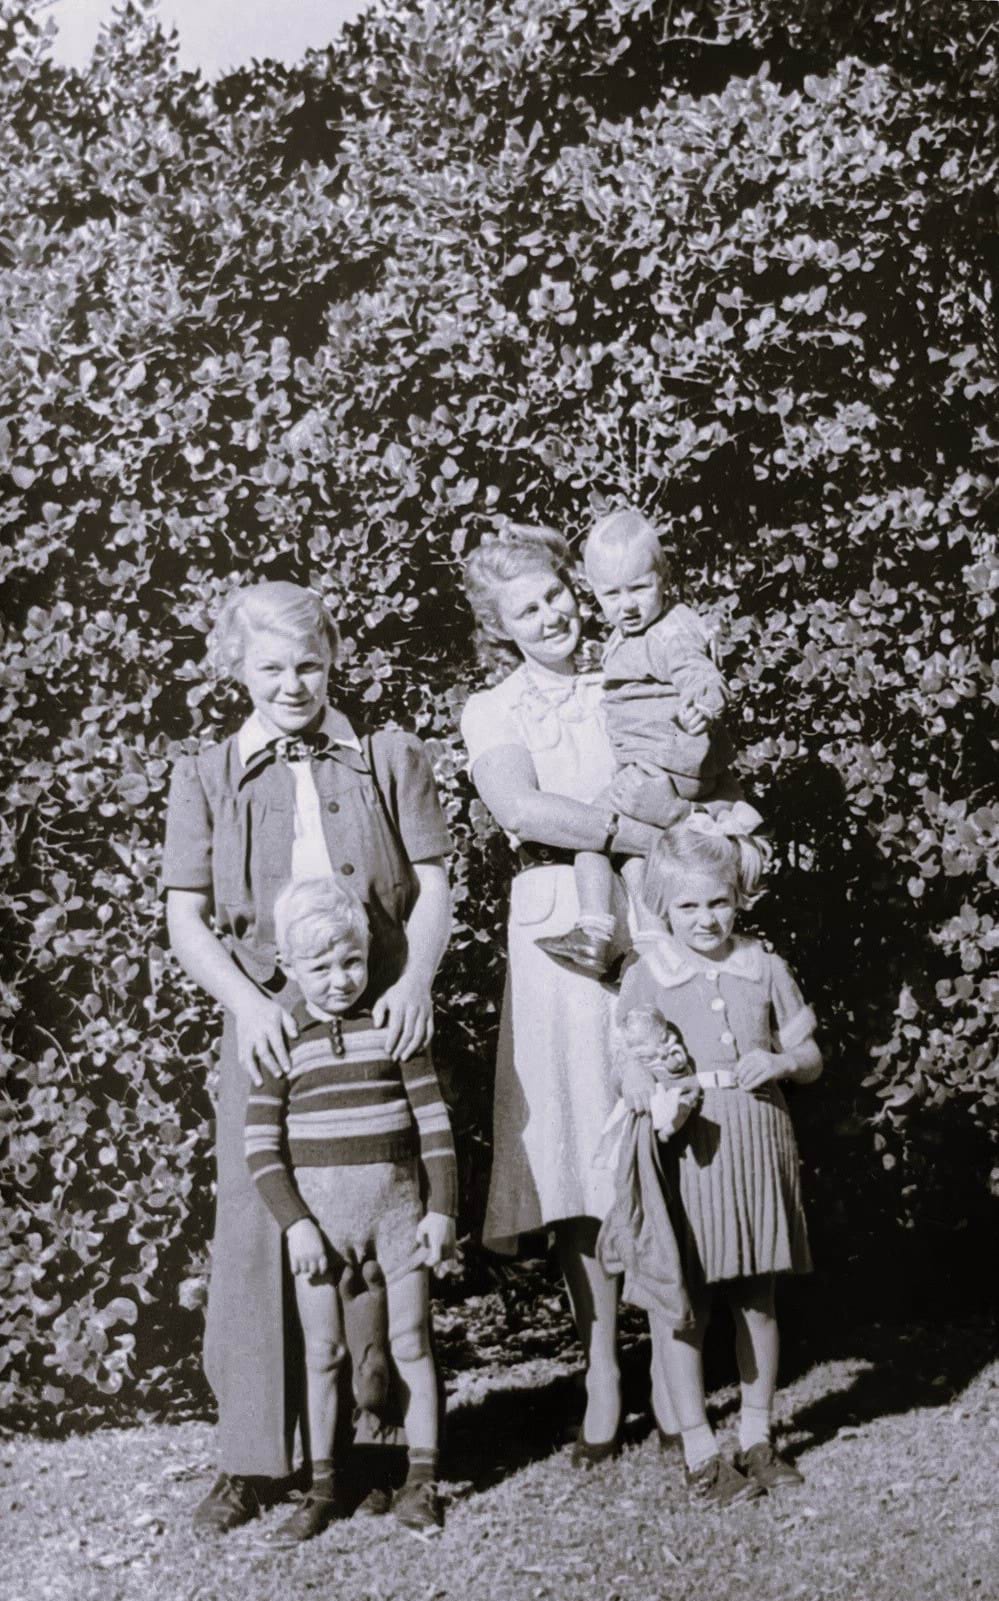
{"x": 519, "y": 548}
{"x": 287, "y": 608}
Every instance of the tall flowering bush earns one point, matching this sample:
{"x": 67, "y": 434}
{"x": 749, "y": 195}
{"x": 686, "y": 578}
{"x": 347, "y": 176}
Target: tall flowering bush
{"x": 730, "y": 261}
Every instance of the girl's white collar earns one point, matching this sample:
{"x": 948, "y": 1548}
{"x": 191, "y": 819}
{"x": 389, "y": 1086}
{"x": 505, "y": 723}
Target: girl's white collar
{"x": 672, "y": 964}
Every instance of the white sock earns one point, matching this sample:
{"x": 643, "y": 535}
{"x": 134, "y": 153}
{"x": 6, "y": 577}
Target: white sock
{"x": 600, "y": 923}
{"x": 754, "y": 1426}
{"x": 698, "y": 1445}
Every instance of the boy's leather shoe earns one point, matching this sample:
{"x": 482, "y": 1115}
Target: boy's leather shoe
{"x": 418, "y": 1508}
{"x": 231, "y": 1502}
{"x": 770, "y": 1471}
{"x": 313, "y": 1514}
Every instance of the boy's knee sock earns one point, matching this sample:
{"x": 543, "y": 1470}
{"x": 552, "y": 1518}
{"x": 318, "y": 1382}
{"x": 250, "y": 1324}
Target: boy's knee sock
{"x": 698, "y": 1445}
{"x": 422, "y": 1465}
{"x": 754, "y": 1426}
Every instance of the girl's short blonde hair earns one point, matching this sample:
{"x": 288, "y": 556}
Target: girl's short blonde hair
{"x": 287, "y": 608}
{"x": 520, "y": 548}
{"x": 741, "y": 859}
{"x": 622, "y": 530}
{"x": 311, "y": 914}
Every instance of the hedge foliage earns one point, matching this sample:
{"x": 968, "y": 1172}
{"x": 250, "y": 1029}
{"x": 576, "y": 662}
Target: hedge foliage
{"x": 730, "y": 260}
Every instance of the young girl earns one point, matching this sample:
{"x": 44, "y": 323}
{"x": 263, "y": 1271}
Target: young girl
{"x": 332, "y": 1147}
{"x": 662, "y": 704}
{"x": 734, "y": 1167}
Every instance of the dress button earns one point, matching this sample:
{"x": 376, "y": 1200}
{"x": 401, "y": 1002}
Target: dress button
{"x": 347, "y": 869}
{"x": 718, "y": 1005}
{"x": 711, "y": 976}
{"x": 727, "y": 1038}
{"x": 332, "y": 806}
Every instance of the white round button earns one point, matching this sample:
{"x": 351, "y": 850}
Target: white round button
{"x": 727, "y": 1038}
{"x": 718, "y": 1005}
{"x": 711, "y": 976}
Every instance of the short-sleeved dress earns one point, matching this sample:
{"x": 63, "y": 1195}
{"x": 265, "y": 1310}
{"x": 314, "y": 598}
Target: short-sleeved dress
{"x": 734, "y": 1166}
{"x": 232, "y": 827}
{"x": 553, "y": 1070}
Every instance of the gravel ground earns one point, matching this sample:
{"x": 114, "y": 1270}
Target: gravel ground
{"x": 899, "y": 1444}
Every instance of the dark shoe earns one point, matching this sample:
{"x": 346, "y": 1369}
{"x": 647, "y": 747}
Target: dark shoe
{"x": 418, "y": 1508}
{"x": 581, "y": 951}
{"x": 585, "y": 1455}
{"x": 313, "y": 1514}
{"x": 231, "y": 1502}
{"x": 717, "y": 1483}
{"x": 770, "y": 1471}
{"x": 376, "y": 1503}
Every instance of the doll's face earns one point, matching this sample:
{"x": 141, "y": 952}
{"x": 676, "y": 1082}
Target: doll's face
{"x": 286, "y": 679}
{"x": 332, "y": 979}
{"x": 702, "y": 913}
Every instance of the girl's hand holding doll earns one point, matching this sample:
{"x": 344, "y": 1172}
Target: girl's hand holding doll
{"x": 306, "y": 1251}
{"x": 436, "y": 1234}
{"x": 263, "y": 1029}
{"x": 758, "y": 1068}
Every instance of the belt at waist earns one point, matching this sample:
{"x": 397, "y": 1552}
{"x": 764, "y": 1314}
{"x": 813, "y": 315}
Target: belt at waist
{"x": 721, "y": 1078}
{"x": 530, "y": 854}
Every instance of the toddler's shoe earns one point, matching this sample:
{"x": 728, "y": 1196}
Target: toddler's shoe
{"x": 762, "y": 1464}
{"x": 418, "y": 1508}
{"x": 313, "y": 1514}
{"x": 581, "y": 951}
{"x": 717, "y": 1483}
{"x": 231, "y": 1502}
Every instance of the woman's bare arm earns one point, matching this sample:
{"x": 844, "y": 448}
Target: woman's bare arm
{"x": 508, "y": 784}
{"x": 263, "y": 1027}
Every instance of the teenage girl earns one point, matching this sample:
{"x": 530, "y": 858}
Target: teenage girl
{"x": 734, "y": 1167}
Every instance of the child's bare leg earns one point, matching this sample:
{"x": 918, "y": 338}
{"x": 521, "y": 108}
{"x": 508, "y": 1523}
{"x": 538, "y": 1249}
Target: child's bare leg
{"x": 595, "y": 892}
{"x": 646, "y": 922}
{"x": 416, "y": 1504}
{"x": 757, "y": 1348}
{"x": 593, "y": 1295}
{"x": 677, "y": 1360}
{"x": 322, "y": 1336}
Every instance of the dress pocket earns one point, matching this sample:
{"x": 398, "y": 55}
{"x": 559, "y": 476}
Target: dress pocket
{"x": 532, "y": 895}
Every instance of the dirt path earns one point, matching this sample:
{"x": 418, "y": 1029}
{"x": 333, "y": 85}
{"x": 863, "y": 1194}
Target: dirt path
{"x": 900, "y": 1502}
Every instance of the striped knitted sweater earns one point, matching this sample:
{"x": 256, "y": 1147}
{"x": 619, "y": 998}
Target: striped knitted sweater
{"x": 344, "y": 1102}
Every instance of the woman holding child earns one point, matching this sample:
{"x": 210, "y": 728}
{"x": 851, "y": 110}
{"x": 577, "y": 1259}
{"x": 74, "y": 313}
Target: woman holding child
{"x": 576, "y": 767}
{"x": 297, "y": 793}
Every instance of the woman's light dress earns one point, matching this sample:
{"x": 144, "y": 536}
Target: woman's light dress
{"x": 553, "y": 1070}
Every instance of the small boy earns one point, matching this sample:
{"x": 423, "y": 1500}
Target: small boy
{"x": 333, "y": 1149}
{"x": 663, "y": 697}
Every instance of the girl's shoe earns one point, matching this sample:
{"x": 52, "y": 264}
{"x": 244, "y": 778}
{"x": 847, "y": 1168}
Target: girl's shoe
{"x": 717, "y": 1483}
{"x": 313, "y": 1514}
{"x": 418, "y": 1508}
{"x": 762, "y": 1464}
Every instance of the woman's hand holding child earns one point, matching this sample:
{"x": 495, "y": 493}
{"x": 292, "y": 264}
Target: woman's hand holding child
{"x": 437, "y": 1236}
{"x": 306, "y": 1251}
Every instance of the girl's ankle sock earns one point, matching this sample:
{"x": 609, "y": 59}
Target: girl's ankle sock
{"x": 754, "y": 1426}
{"x": 422, "y": 1465}
{"x": 602, "y": 924}
{"x": 698, "y": 1445}
{"x": 322, "y": 1477}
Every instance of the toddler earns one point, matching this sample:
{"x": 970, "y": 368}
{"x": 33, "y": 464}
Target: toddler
{"x": 663, "y": 698}
{"x": 333, "y": 1148}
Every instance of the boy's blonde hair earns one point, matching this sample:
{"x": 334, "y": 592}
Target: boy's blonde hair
{"x": 520, "y": 548}
{"x": 623, "y": 529}
{"x": 311, "y": 914}
{"x": 287, "y": 608}
{"x": 709, "y": 845}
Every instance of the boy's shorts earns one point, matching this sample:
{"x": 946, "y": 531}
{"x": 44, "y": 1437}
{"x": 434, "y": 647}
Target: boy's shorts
{"x": 367, "y": 1211}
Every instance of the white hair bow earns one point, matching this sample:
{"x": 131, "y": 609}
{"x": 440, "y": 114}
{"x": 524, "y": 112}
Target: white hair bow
{"x": 740, "y": 818}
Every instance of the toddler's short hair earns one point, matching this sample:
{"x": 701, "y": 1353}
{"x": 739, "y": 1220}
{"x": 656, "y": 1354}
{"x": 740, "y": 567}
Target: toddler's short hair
{"x": 622, "y": 529}
{"x": 288, "y": 608}
{"x": 740, "y": 858}
{"x": 311, "y": 914}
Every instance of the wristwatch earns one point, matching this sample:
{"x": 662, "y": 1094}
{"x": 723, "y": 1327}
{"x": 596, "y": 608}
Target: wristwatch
{"x": 613, "y": 824}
